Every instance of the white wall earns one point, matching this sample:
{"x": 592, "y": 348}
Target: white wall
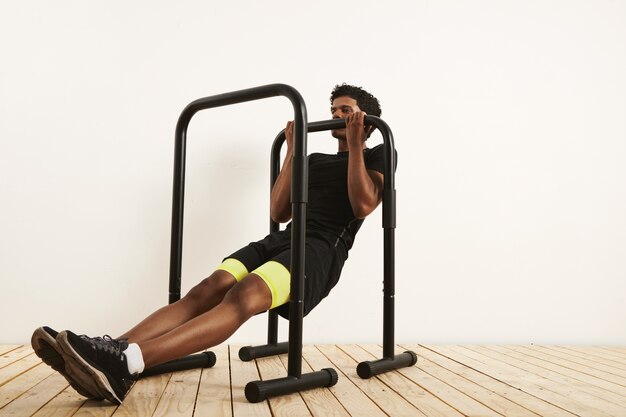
{"x": 509, "y": 119}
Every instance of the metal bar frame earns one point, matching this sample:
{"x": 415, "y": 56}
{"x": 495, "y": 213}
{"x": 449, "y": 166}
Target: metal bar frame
{"x": 390, "y": 361}
{"x": 295, "y": 381}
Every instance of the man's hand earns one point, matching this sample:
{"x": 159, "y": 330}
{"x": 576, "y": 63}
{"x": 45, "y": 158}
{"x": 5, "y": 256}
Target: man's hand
{"x": 364, "y": 186}
{"x": 356, "y": 132}
{"x": 289, "y": 136}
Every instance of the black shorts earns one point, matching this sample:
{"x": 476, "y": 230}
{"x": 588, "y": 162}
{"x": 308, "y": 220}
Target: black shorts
{"x": 322, "y": 267}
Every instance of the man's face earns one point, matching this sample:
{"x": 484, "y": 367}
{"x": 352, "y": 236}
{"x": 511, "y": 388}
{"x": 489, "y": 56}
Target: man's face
{"x": 341, "y": 108}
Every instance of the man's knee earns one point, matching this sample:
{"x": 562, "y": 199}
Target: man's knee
{"x": 250, "y": 296}
{"x": 217, "y": 284}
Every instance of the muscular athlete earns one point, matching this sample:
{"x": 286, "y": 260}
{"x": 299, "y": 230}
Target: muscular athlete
{"x": 343, "y": 190}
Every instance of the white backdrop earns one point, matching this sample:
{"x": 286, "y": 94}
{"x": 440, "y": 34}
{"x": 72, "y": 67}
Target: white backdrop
{"x": 509, "y": 119}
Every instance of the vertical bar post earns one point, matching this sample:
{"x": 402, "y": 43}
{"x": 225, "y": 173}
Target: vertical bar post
{"x": 390, "y": 361}
{"x": 299, "y": 198}
{"x": 389, "y": 226}
{"x": 272, "y": 316}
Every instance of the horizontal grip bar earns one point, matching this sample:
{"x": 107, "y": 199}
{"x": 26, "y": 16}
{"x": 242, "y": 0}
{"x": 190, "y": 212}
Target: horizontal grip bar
{"x": 331, "y": 124}
{"x": 200, "y": 360}
{"x": 247, "y": 353}
{"x": 257, "y": 391}
{"x": 368, "y": 369}
{"x": 380, "y": 124}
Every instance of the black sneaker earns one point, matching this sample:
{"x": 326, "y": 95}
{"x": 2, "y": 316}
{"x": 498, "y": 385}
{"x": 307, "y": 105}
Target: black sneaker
{"x": 99, "y": 360}
{"x": 45, "y": 346}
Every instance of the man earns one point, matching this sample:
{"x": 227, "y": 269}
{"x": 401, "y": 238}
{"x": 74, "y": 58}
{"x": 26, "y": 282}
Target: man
{"x": 343, "y": 189}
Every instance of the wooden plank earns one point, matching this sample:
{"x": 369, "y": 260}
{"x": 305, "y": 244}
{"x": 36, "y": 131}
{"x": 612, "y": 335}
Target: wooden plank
{"x": 581, "y": 373}
{"x": 320, "y": 401}
{"x": 63, "y": 405}
{"x": 19, "y": 385}
{"x": 497, "y": 403}
{"x": 7, "y": 348}
{"x": 609, "y": 354}
{"x": 93, "y": 408}
{"x": 214, "y": 397}
{"x": 351, "y": 398}
{"x": 525, "y": 400}
{"x": 588, "y": 394}
{"x": 388, "y": 400}
{"x": 534, "y": 384}
{"x": 179, "y": 397}
{"x": 597, "y": 353}
{"x": 143, "y": 397}
{"x": 14, "y": 355}
{"x": 242, "y": 373}
{"x": 284, "y": 405}
{"x": 36, "y": 397}
{"x": 616, "y": 350}
{"x": 514, "y": 381}
{"x": 17, "y": 368}
{"x": 616, "y": 367}
{"x": 431, "y": 396}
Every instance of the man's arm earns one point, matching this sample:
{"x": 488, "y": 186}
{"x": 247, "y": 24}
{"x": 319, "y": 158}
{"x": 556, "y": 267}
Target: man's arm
{"x": 280, "y": 197}
{"x": 365, "y": 187}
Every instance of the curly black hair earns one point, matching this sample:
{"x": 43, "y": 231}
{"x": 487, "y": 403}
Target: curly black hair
{"x": 366, "y": 102}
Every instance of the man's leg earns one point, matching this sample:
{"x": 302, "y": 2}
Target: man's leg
{"x": 200, "y": 299}
{"x": 104, "y": 362}
{"x": 248, "y": 297}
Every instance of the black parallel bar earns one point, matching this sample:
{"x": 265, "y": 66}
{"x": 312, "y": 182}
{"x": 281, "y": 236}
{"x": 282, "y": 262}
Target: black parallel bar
{"x": 389, "y": 360}
{"x": 200, "y": 360}
{"x": 258, "y": 391}
{"x": 272, "y": 327}
{"x": 389, "y": 222}
{"x": 272, "y": 317}
{"x": 296, "y": 303}
{"x": 389, "y": 219}
{"x": 299, "y": 194}
{"x": 370, "y": 368}
{"x": 247, "y": 353}
{"x": 250, "y": 94}
{"x": 389, "y": 293}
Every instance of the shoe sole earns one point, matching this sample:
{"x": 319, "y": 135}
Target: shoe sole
{"x": 47, "y": 349}
{"x": 76, "y": 365}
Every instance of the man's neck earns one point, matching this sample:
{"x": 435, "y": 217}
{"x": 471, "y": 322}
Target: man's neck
{"x": 342, "y": 145}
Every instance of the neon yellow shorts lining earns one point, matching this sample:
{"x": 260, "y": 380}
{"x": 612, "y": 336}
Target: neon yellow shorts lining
{"x": 277, "y": 278}
{"x": 235, "y": 267}
{"x": 273, "y": 273}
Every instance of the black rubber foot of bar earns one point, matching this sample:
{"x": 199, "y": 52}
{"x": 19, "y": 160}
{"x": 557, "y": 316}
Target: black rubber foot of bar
{"x": 334, "y": 377}
{"x": 257, "y": 391}
{"x": 369, "y": 369}
{"x": 247, "y": 353}
{"x": 364, "y": 370}
{"x": 200, "y": 360}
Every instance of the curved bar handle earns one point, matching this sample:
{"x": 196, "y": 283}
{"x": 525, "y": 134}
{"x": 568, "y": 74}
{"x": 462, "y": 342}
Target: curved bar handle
{"x": 299, "y": 193}
{"x": 389, "y": 214}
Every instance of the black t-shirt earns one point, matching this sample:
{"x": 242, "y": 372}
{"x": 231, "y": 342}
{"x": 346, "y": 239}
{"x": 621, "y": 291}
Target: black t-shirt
{"x": 329, "y": 213}
{"x": 330, "y": 224}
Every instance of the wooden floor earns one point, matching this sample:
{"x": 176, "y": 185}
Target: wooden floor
{"x": 510, "y": 381}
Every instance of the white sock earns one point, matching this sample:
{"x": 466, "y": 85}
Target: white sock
{"x": 134, "y": 359}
